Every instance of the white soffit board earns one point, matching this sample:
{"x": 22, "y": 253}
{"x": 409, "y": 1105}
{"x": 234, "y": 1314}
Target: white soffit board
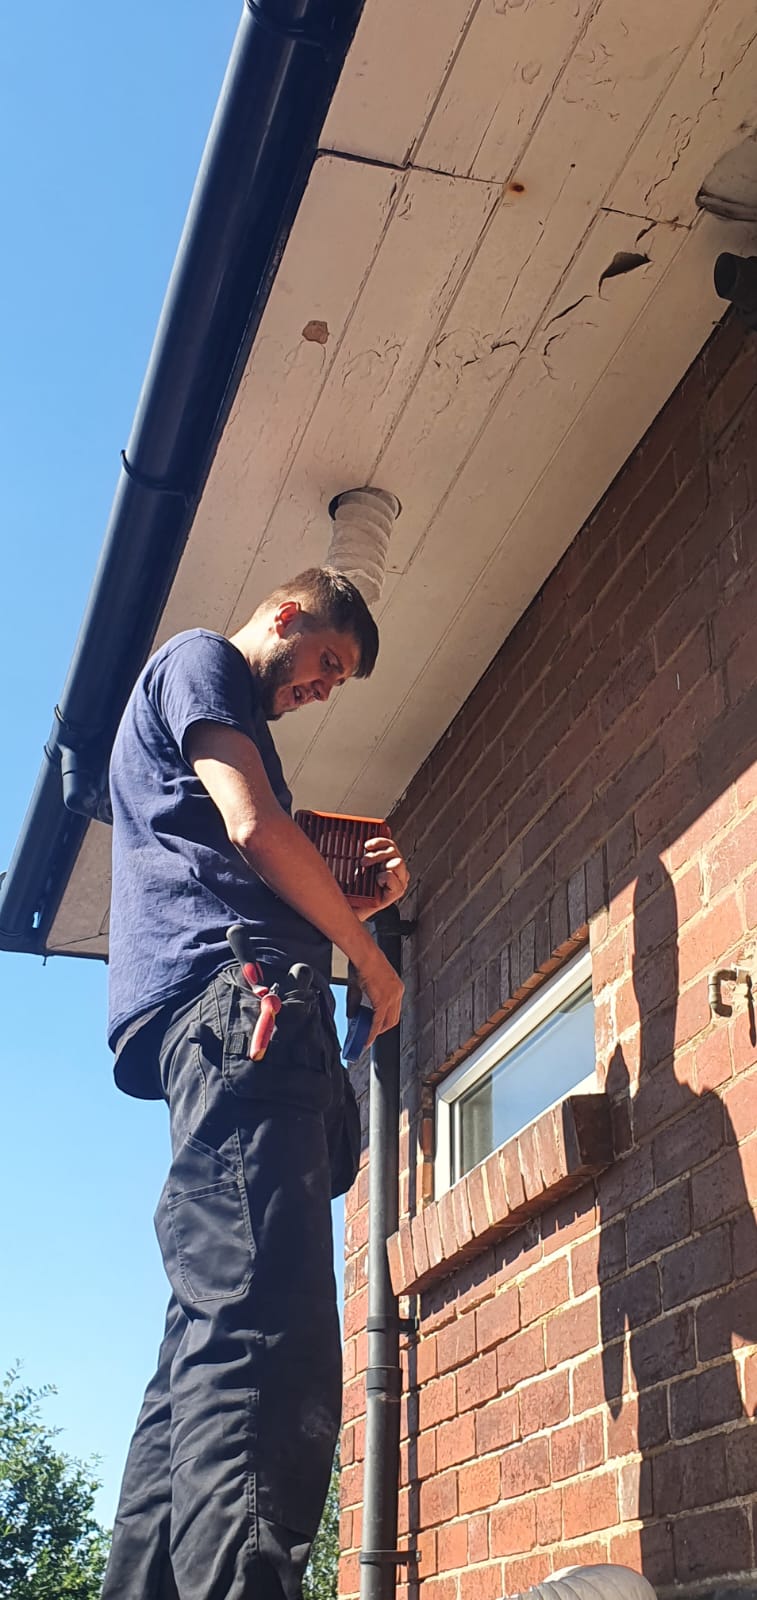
{"x": 710, "y": 106}
{"x": 444, "y": 327}
{"x": 81, "y": 926}
{"x": 401, "y": 56}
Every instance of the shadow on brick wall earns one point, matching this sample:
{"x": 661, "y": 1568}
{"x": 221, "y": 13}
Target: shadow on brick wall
{"x": 674, "y": 1299}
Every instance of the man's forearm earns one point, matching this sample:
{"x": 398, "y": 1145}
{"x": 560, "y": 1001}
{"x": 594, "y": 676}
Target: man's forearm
{"x": 230, "y": 768}
{"x": 286, "y": 860}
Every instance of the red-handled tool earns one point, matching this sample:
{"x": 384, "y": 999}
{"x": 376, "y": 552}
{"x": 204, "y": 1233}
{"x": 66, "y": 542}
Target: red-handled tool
{"x": 270, "y": 1006}
{"x": 296, "y": 985}
{"x": 270, "y": 1000}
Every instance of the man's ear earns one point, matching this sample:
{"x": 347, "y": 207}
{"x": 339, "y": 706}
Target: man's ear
{"x": 284, "y": 615}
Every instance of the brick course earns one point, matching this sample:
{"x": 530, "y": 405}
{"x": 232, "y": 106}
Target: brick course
{"x": 586, "y": 1362}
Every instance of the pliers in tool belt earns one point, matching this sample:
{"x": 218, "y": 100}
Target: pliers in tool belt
{"x": 270, "y": 999}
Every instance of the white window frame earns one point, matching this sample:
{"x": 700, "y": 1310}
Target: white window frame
{"x": 494, "y": 1051}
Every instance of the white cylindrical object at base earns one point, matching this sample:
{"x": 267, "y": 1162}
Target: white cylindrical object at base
{"x": 602, "y": 1582}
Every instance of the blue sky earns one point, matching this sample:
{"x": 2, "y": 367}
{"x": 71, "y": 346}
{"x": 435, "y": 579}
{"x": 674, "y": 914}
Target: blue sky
{"x": 103, "y": 117}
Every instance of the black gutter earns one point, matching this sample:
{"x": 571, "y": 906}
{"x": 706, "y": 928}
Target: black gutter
{"x": 282, "y": 72}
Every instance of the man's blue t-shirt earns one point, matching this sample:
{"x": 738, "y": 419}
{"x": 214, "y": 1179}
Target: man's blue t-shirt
{"x": 178, "y": 882}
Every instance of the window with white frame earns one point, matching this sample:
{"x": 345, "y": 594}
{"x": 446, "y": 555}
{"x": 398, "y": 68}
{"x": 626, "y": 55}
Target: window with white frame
{"x": 544, "y": 1052}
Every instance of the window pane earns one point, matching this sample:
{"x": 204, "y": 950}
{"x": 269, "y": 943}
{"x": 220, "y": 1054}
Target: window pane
{"x": 544, "y": 1067}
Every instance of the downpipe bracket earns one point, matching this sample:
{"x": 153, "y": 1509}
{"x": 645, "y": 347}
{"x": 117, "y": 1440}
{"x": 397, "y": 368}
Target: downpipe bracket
{"x": 407, "y": 1326}
{"x": 389, "y": 1558}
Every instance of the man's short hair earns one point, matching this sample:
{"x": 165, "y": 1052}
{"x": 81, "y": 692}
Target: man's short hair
{"x": 329, "y": 599}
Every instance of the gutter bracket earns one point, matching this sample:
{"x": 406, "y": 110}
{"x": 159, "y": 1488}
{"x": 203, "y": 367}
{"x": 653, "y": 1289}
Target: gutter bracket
{"x": 153, "y": 485}
{"x": 320, "y": 39}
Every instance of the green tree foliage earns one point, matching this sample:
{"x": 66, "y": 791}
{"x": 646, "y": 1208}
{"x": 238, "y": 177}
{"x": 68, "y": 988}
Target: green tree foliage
{"x": 320, "y": 1581}
{"x": 51, "y": 1546}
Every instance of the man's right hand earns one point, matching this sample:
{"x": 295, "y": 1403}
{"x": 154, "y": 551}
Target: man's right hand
{"x": 383, "y": 989}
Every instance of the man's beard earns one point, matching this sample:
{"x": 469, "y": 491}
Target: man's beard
{"x": 274, "y": 673}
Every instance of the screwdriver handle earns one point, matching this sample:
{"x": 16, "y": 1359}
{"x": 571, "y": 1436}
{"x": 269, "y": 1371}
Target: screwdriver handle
{"x": 237, "y": 937}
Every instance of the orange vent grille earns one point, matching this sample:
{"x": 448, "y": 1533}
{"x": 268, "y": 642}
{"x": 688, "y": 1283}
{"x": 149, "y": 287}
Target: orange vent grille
{"x": 341, "y": 840}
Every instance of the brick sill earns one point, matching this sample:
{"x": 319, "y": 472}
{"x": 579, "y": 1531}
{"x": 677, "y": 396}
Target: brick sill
{"x": 548, "y": 1159}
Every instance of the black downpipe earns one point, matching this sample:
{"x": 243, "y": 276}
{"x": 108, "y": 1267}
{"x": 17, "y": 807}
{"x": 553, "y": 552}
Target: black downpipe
{"x": 379, "y": 1557}
{"x": 283, "y": 68}
{"x": 736, "y": 280}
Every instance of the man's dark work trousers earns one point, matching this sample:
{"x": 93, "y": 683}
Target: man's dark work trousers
{"x": 230, "y": 1463}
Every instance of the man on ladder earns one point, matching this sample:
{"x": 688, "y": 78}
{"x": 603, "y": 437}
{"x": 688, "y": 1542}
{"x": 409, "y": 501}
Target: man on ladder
{"x": 229, "y": 1465}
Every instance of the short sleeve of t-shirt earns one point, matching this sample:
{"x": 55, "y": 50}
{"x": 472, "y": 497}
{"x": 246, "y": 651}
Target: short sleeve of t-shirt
{"x": 204, "y": 678}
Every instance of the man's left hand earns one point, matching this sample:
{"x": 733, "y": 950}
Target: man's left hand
{"x": 393, "y": 876}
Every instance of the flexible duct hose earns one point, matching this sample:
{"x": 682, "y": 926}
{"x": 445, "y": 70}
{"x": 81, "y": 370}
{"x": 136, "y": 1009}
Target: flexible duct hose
{"x": 604, "y": 1582}
{"x": 363, "y": 523}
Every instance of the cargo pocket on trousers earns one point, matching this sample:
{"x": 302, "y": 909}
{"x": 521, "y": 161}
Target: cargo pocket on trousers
{"x": 208, "y": 1216}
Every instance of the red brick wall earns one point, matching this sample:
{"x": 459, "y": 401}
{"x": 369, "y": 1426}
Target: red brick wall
{"x": 581, "y": 1390}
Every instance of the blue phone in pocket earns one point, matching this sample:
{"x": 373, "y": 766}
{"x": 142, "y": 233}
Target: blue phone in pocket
{"x": 357, "y": 1033}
